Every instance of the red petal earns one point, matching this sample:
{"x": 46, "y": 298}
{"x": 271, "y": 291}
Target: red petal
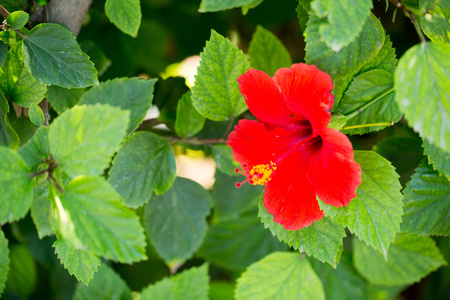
{"x": 253, "y": 144}
{"x": 264, "y": 99}
{"x": 289, "y": 196}
{"x": 333, "y": 171}
{"x": 307, "y": 94}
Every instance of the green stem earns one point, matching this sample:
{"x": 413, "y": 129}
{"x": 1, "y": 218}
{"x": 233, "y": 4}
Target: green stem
{"x": 400, "y": 5}
{"x": 361, "y": 109}
{"x": 196, "y": 141}
{"x": 368, "y": 125}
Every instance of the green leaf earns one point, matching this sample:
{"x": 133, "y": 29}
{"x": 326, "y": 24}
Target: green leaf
{"x": 374, "y": 216}
{"x": 106, "y": 284}
{"x": 53, "y": 56}
{"x": 3, "y": 53}
{"x": 345, "y": 20}
{"x": 410, "y": 258}
{"x": 126, "y": 15}
{"x": 212, "y": 5}
{"x": 23, "y": 127}
{"x": 176, "y": 221}
{"x": 221, "y": 290}
{"x": 237, "y": 243}
{"x": 61, "y": 98}
{"x": 216, "y": 91}
{"x": 223, "y": 157}
{"x": 191, "y": 284}
{"x": 439, "y": 158}
{"x": 113, "y": 231}
{"x": 17, "y": 19}
{"x": 133, "y": 94}
{"x": 436, "y": 22}
{"x": 386, "y": 59}
{"x": 322, "y": 239}
{"x": 426, "y": 105}
{"x": 22, "y": 274}
{"x": 36, "y": 115}
{"x": 427, "y": 203}
{"x": 80, "y": 263}
{"x": 40, "y": 210}
{"x": 84, "y": 138}
{"x": 229, "y": 201}
{"x": 8, "y": 137}
{"x": 404, "y": 152}
{"x": 37, "y": 148}
{"x": 338, "y": 64}
{"x": 284, "y": 275}
{"x": 16, "y": 81}
{"x": 342, "y": 282}
{"x": 370, "y": 100}
{"x": 189, "y": 122}
{"x": 145, "y": 162}
{"x": 267, "y": 53}
{"x": 4, "y": 260}
{"x": 16, "y": 186}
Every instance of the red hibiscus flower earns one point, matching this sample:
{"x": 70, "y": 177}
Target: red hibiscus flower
{"x": 290, "y": 149}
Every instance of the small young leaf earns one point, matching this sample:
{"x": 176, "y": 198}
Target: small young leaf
{"x": 61, "y": 98}
{"x": 37, "y": 148}
{"x": 285, "y": 275}
{"x": 53, "y": 56}
{"x": 4, "y": 261}
{"x": 189, "y": 122}
{"x": 237, "y": 243}
{"x": 101, "y": 223}
{"x": 22, "y": 276}
{"x": 438, "y": 157}
{"x": 8, "y": 137}
{"x": 342, "y": 282}
{"x": 131, "y": 94}
{"x": 192, "y": 284}
{"x": 229, "y": 201}
{"x": 223, "y": 157}
{"x": 267, "y": 53}
{"x": 322, "y": 239}
{"x": 427, "y": 203}
{"x": 338, "y": 64}
{"x": 106, "y": 284}
{"x": 410, "y": 258}
{"x": 345, "y": 20}
{"x": 16, "y": 186}
{"x": 16, "y": 81}
{"x": 80, "y": 263}
{"x": 126, "y": 15}
{"x": 17, "y": 19}
{"x": 212, "y": 5}
{"x": 145, "y": 162}
{"x": 369, "y": 100}
{"x": 216, "y": 91}
{"x": 36, "y": 115}
{"x": 426, "y": 105}
{"x": 375, "y": 214}
{"x": 176, "y": 221}
{"x": 83, "y": 139}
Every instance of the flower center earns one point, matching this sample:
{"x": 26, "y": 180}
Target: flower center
{"x": 258, "y": 175}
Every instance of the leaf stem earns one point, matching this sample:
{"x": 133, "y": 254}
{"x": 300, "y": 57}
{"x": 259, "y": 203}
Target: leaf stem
{"x": 361, "y": 109}
{"x": 4, "y": 12}
{"x": 225, "y": 134}
{"x": 368, "y": 125}
{"x": 55, "y": 183}
{"x": 196, "y": 141}
{"x": 400, "y": 5}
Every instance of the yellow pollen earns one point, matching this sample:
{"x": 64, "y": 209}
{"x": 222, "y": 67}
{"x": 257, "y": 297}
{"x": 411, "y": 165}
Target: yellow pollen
{"x": 260, "y": 174}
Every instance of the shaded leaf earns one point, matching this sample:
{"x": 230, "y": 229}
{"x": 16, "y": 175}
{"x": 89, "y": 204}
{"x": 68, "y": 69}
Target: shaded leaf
{"x": 4, "y": 261}
{"x": 126, "y": 15}
{"x": 22, "y": 276}
{"x": 145, "y": 162}
{"x": 439, "y": 158}
{"x": 189, "y": 121}
{"x": 8, "y": 137}
{"x": 61, "y": 98}
{"x": 212, "y": 5}
{"x": 37, "y": 148}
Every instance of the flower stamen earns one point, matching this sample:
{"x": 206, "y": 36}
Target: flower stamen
{"x": 258, "y": 175}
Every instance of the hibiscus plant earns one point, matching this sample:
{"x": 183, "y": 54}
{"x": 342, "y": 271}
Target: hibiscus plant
{"x": 329, "y": 149}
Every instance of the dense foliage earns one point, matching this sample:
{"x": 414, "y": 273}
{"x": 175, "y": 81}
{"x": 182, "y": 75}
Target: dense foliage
{"x": 91, "y": 206}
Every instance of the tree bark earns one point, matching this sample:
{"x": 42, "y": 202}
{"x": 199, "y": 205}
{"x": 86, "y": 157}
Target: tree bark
{"x": 69, "y": 13}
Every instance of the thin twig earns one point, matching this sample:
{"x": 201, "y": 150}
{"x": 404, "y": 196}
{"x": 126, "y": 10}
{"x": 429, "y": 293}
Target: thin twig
{"x": 56, "y": 183}
{"x": 195, "y": 141}
{"x": 4, "y": 12}
{"x": 400, "y": 5}
{"x": 225, "y": 134}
